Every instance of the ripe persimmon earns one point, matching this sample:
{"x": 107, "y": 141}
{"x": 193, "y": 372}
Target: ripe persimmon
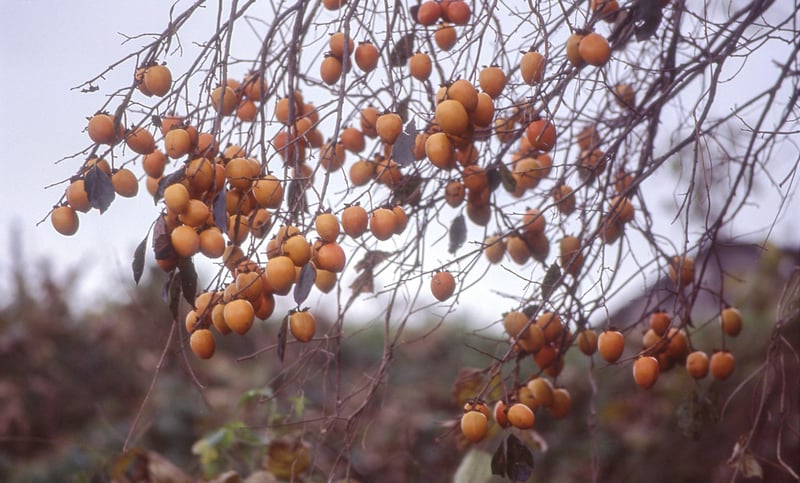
{"x": 330, "y": 256}
{"x": 330, "y": 69}
{"x": 368, "y": 121}
{"x": 587, "y": 341}
{"x": 185, "y": 241}
{"x": 531, "y": 67}
{"x": 443, "y": 285}
{"x": 683, "y": 266}
{"x": 401, "y": 219}
{"x": 389, "y": 126}
{"x": 542, "y": 391}
{"x": 594, "y": 49}
{"x": 573, "y": 50}
{"x": 645, "y": 371}
{"x": 352, "y": 139}
{"x": 224, "y": 100}
{"x": 382, "y": 223}
{"x": 731, "y": 321}
{"x": 202, "y": 343}
{"x": 562, "y": 402}
{"x": 500, "y": 413}
{"x": 339, "y": 43}
{"x": 659, "y": 322}
{"x": 492, "y": 80}
{"x": 268, "y": 191}
{"x": 452, "y": 117}
{"x": 571, "y": 258}
{"x": 494, "y": 249}
{"x": 550, "y": 324}
{"x": 610, "y": 345}
{"x": 445, "y": 36}
{"x": 77, "y": 197}
{"x": 474, "y": 426}
{"x": 697, "y": 364}
{"x": 101, "y": 129}
{"x": 420, "y": 66}
{"x": 327, "y": 226}
{"x": 367, "y": 56}
{"x": 154, "y": 163}
{"x": 721, "y": 365}
{"x": 212, "y": 243}
{"x": 355, "y": 221}
{"x": 302, "y": 325}
{"x": 157, "y": 80}
{"x": 483, "y": 113}
{"x": 541, "y": 134}
{"x": 140, "y": 141}
{"x": 125, "y": 183}
{"x": 520, "y": 416}
{"x": 457, "y": 11}
{"x": 239, "y": 315}
{"x": 280, "y": 273}
{"x": 429, "y": 12}
{"x": 65, "y": 220}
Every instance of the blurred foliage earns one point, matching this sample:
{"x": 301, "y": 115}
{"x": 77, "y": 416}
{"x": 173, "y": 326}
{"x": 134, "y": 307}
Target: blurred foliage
{"x": 71, "y": 385}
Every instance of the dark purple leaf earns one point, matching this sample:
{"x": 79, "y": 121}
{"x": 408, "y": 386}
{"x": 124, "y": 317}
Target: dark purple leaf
{"x": 172, "y": 178}
{"x": 162, "y": 243}
{"x": 188, "y": 279}
{"x": 513, "y": 460}
{"x": 297, "y": 197}
{"x": 304, "y": 283}
{"x": 493, "y": 178}
{"x": 99, "y": 189}
{"x": 172, "y": 293}
{"x": 550, "y": 280}
{"x": 647, "y": 18}
{"x": 137, "y": 265}
{"x": 403, "y": 149}
{"x": 219, "y": 211}
{"x": 283, "y": 333}
{"x": 402, "y": 50}
{"x": 458, "y": 233}
{"x": 506, "y": 178}
{"x": 519, "y": 465}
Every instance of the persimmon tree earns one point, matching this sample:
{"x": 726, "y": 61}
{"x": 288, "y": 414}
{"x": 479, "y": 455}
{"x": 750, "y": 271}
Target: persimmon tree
{"x": 412, "y": 154}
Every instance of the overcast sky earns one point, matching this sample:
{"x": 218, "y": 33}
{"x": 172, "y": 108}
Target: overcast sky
{"x": 51, "y": 47}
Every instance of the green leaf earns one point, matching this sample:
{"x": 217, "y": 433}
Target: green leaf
{"x": 137, "y": 265}
{"x": 255, "y": 395}
{"x": 475, "y": 467}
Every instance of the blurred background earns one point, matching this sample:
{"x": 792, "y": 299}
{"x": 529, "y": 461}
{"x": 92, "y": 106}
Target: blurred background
{"x": 80, "y": 343}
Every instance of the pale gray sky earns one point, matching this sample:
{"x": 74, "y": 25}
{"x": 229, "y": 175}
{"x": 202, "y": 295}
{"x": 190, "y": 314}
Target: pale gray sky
{"x": 53, "y": 46}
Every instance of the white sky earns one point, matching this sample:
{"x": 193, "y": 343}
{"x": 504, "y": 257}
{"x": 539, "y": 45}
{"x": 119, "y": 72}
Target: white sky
{"x": 56, "y": 46}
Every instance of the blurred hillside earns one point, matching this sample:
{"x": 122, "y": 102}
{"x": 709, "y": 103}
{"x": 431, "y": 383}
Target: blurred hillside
{"x": 71, "y": 385}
